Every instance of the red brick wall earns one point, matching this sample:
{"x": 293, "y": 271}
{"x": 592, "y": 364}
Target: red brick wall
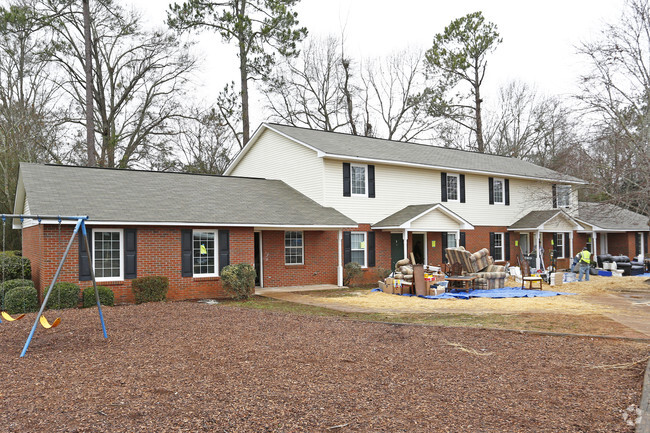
{"x": 158, "y": 252}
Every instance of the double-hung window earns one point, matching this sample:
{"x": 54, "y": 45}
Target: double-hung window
{"x": 451, "y": 240}
{"x": 293, "y": 248}
{"x": 453, "y": 186}
{"x": 498, "y": 247}
{"x": 498, "y": 190}
{"x": 108, "y": 254}
{"x": 358, "y": 248}
{"x": 358, "y": 180}
{"x": 563, "y": 195}
{"x": 204, "y": 256}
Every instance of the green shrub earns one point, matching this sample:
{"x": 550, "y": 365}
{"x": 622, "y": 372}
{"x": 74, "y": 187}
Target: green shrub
{"x": 351, "y": 271}
{"x": 150, "y": 289}
{"x": 106, "y": 296}
{"x": 64, "y": 295}
{"x": 239, "y": 280}
{"x": 11, "y": 266}
{"x": 9, "y": 285}
{"x": 382, "y": 273}
{"x": 21, "y": 300}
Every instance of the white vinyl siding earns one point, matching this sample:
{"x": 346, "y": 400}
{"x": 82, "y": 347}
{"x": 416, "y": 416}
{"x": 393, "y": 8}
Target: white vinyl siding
{"x": 403, "y": 186}
{"x": 276, "y": 157}
{"x": 435, "y": 220}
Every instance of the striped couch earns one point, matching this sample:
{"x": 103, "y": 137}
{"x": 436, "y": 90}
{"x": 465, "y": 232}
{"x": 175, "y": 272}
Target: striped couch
{"x": 480, "y": 264}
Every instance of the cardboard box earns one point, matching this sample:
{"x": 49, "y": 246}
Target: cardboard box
{"x": 388, "y": 286}
{"x": 435, "y": 290}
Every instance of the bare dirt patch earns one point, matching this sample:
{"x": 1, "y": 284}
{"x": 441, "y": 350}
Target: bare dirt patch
{"x": 195, "y": 367}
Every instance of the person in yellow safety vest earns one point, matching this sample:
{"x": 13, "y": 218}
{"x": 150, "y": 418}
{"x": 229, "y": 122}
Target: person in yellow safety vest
{"x": 584, "y": 261}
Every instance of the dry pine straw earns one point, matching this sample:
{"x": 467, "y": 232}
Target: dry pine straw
{"x": 570, "y": 304}
{"x": 170, "y": 367}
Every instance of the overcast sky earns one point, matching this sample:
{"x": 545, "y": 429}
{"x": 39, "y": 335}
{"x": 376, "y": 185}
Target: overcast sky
{"x": 539, "y": 38}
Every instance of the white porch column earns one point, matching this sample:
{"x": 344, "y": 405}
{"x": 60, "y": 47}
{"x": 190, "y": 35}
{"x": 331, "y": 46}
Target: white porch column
{"x": 405, "y": 238}
{"x": 537, "y": 258}
{"x": 571, "y": 245}
{"x": 457, "y": 238}
{"x": 593, "y": 243}
{"x": 339, "y": 268}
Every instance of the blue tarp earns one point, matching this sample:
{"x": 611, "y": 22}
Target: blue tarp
{"x": 646, "y": 275}
{"x": 505, "y": 292}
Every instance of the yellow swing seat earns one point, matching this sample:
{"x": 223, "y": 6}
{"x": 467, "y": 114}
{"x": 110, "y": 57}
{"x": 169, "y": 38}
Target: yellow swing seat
{"x": 47, "y": 325}
{"x": 8, "y": 318}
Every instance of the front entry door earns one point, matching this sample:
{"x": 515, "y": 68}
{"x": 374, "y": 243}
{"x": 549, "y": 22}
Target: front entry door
{"x": 258, "y": 258}
{"x": 396, "y": 249}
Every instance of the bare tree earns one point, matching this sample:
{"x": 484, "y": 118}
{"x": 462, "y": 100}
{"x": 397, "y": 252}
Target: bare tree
{"x": 90, "y": 130}
{"x": 617, "y": 95}
{"x": 139, "y": 78}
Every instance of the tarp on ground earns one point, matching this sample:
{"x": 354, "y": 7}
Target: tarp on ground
{"x": 505, "y": 292}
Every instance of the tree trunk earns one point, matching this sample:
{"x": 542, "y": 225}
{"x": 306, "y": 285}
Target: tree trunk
{"x": 90, "y": 130}
{"x": 243, "y": 73}
{"x": 477, "y": 102}
{"x": 348, "y": 95}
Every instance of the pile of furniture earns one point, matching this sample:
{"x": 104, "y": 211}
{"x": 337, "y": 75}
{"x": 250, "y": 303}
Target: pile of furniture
{"x": 480, "y": 264}
{"x": 620, "y": 263}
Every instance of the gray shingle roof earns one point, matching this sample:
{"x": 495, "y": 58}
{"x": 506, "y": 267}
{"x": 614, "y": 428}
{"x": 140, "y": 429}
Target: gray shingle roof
{"x": 334, "y": 143}
{"x": 609, "y": 216}
{"x": 535, "y": 219}
{"x": 142, "y": 196}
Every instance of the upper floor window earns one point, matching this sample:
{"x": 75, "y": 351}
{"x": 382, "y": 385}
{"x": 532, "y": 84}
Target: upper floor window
{"x": 358, "y": 179}
{"x": 293, "y": 248}
{"x": 498, "y": 190}
{"x": 452, "y": 187}
{"x": 563, "y": 195}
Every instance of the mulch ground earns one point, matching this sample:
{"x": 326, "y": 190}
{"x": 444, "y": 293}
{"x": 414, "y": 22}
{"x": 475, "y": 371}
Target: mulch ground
{"x": 195, "y": 367}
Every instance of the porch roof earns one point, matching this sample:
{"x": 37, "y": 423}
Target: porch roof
{"x": 609, "y": 217}
{"x": 537, "y": 220}
{"x": 419, "y": 217}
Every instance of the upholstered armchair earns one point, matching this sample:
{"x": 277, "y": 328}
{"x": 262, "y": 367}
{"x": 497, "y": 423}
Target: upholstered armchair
{"x": 480, "y": 264}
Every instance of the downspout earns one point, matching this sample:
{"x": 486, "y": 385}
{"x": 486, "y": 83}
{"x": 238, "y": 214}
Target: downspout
{"x": 339, "y": 268}
{"x": 571, "y": 246}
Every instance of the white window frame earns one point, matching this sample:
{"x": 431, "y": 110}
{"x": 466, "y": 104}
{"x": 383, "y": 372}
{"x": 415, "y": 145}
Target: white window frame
{"x": 216, "y": 254}
{"x": 455, "y": 240}
{"x": 364, "y": 249}
{"x": 642, "y": 236}
{"x": 457, "y": 176}
{"x": 365, "y": 176}
{"x": 560, "y": 245}
{"x": 302, "y": 248}
{"x": 112, "y": 230}
{"x": 566, "y": 194}
{"x": 503, "y": 190}
{"x": 502, "y": 248}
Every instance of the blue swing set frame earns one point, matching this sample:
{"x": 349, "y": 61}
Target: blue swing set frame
{"x": 81, "y": 224}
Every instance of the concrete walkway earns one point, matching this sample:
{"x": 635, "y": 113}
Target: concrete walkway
{"x": 316, "y": 287}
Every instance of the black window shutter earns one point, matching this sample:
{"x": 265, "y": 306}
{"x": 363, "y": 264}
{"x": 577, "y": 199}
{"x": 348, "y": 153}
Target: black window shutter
{"x": 371, "y": 249}
{"x": 347, "y": 248}
{"x": 491, "y": 188}
{"x": 462, "y": 188}
{"x": 186, "y": 253}
{"x": 462, "y": 240}
{"x": 443, "y": 186}
{"x": 492, "y": 251}
{"x": 130, "y": 254}
{"x": 444, "y": 247}
{"x": 84, "y": 256}
{"x": 507, "y": 188}
{"x": 346, "y": 179}
{"x": 371, "y": 181}
{"x": 567, "y": 246}
{"x": 506, "y": 242}
{"x": 224, "y": 249}
{"x": 554, "y": 195}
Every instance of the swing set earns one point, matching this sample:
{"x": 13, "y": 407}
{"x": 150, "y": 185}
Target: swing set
{"x": 40, "y": 318}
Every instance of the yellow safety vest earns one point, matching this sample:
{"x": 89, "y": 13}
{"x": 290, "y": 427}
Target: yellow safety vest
{"x": 585, "y": 256}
